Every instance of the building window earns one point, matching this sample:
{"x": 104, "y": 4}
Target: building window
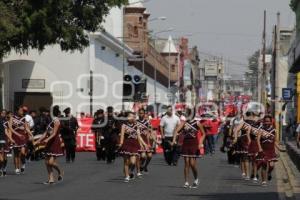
{"x": 173, "y": 69}
{"x": 135, "y": 31}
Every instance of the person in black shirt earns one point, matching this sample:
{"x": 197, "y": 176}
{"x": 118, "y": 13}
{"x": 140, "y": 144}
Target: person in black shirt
{"x": 40, "y": 126}
{"x": 97, "y": 129}
{"x": 41, "y": 122}
{"x": 68, "y": 132}
{"x": 227, "y": 146}
{"x": 110, "y": 135}
{"x": 122, "y": 119}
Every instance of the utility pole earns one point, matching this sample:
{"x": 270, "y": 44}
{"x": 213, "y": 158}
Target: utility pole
{"x": 169, "y": 73}
{"x": 278, "y": 105}
{"x": 143, "y": 50}
{"x": 263, "y": 81}
{"x": 155, "y": 81}
{"x": 273, "y": 82}
{"x": 123, "y": 52}
{"x": 91, "y": 92}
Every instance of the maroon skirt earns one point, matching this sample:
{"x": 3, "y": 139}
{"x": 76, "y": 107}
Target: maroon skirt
{"x": 190, "y": 148}
{"x": 54, "y": 147}
{"x": 130, "y": 147}
{"x": 20, "y": 141}
{"x": 269, "y": 152}
{"x": 253, "y": 149}
{"x": 242, "y": 145}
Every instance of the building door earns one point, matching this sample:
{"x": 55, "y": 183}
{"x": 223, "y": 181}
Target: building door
{"x": 33, "y": 100}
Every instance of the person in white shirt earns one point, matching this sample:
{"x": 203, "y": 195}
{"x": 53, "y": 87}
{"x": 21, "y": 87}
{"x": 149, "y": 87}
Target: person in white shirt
{"x": 168, "y": 126}
{"x": 28, "y": 118}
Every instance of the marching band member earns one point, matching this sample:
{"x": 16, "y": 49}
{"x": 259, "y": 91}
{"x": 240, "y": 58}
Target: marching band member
{"x": 21, "y": 134}
{"x": 191, "y": 145}
{"x": 146, "y": 134}
{"x": 242, "y": 141}
{"x": 253, "y": 148}
{"x": 267, "y": 141}
{"x": 130, "y": 143}
{"x": 5, "y": 137}
{"x": 53, "y": 149}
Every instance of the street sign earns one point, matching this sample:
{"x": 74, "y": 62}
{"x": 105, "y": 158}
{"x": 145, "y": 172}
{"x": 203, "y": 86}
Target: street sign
{"x": 211, "y": 78}
{"x": 287, "y": 93}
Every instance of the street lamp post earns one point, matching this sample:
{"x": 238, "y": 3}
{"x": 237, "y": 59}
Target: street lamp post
{"x": 123, "y": 42}
{"x": 155, "y": 67}
{"x": 144, "y": 40}
{"x": 169, "y": 75}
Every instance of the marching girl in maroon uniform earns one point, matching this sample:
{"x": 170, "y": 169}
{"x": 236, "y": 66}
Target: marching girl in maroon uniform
{"x": 21, "y": 134}
{"x": 253, "y": 148}
{"x": 5, "y": 137}
{"x": 267, "y": 140}
{"x": 242, "y": 142}
{"x": 53, "y": 149}
{"x": 130, "y": 143}
{"x": 191, "y": 145}
{"x": 146, "y": 134}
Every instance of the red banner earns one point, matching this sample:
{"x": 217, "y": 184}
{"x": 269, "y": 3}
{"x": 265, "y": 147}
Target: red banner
{"x": 85, "y": 136}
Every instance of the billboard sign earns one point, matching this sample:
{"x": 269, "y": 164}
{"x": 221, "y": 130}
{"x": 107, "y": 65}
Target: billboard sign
{"x": 211, "y": 70}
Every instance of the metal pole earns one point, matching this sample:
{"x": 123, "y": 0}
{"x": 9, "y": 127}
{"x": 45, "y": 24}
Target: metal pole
{"x": 264, "y": 61}
{"x": 169, "y": 76}
{"x": 178, "y": 74}
{"x": 143, "y": 52}
{"x": 277, "y": 77}
{"x": 91, "y": 93}
{"x": 155, "y": 80}
{"x": 123, "y": 67}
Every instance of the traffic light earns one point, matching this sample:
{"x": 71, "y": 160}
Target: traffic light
{"x": 128, "y": 88}
{"x": 140, "y": 90}
{"x": 134, "y": 88}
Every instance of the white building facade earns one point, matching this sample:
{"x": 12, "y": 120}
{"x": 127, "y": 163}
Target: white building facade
{"x": 84, "y": 81}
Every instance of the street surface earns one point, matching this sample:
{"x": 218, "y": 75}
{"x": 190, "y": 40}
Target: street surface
{"x": 89, "y": 179}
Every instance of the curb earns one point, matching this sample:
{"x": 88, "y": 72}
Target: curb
{"x": 294, "y": 153}
{"x": 291, "y": 177}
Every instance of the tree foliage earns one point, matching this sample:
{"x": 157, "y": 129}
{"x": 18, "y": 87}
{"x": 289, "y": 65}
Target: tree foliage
{"x": 294, "y": 4}
{"x": 26, "y": 24}
{"x": 253, "y": 62}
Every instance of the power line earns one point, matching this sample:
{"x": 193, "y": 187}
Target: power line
{"x": 225, "y": 59}
{"x": 220, "y": 34}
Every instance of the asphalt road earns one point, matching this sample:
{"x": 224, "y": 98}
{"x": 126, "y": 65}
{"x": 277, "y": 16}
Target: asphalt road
{"x": 88, "y": 179}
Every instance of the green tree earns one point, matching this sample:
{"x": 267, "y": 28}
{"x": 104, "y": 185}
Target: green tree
{"x": 294, "y": 4}
{"x": 26, "y": 24}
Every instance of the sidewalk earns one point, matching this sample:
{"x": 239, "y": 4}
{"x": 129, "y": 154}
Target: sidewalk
{"x": 294, "y": 153}
{"x": 289, "y": 183}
